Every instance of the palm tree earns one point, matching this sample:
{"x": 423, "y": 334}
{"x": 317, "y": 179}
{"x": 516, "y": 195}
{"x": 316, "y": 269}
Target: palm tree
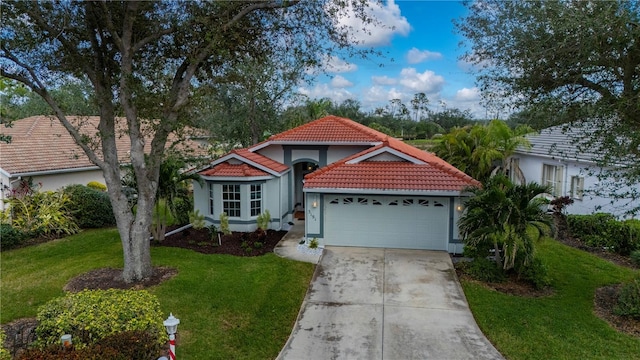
{"x": 482, "y": 150}
{"x": 510, "y": 218}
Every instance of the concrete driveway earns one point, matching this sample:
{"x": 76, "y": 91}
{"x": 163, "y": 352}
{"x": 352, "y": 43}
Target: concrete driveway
{"x": 367, "y": 303}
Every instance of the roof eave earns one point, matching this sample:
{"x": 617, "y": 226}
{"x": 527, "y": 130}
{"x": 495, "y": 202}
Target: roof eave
{"x": 386, "y": 191}
{"x": 237, "y": 178}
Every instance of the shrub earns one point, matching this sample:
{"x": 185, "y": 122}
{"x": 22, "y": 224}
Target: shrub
{"x": 224, "y": 223}
{"x": 536, "y": 272}
{"x": 313, "y": 244}
{"x": 196, "y": 219}
{"x": 263, "y": 220}
{"x": 181, "y": 207}
{"x": 95, "y": 185}
{"x": 595, "y": 240}
{"x": 635, "y": 257}
{"x": 91, "y": 208}
{"x": 10, "y": 236}
{"x": 629, "y": 300}
{"x": 124, "y": 346}
{"x": 43, "y": 214}
{"x": 92, "y": 315}
{"x": 486, "y": 270}
{"x": 604, "y": 230}
{"x": 4, "y": 353}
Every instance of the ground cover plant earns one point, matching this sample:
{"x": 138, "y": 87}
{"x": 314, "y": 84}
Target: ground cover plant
{"x": 562, "y": 325}
{"x": 230, "y": 307}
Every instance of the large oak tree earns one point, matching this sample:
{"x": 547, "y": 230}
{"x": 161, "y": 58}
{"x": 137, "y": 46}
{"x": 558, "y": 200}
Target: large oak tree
{"x": 143, "y": 61}
{"x": 577, "y": 62}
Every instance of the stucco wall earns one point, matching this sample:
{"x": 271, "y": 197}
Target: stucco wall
{"x": 531, "y": 167}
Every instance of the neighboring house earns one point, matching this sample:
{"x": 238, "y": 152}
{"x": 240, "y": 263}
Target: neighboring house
{"x": 352, "y": 185}
{"x": 43, "y": 151}
{"x": 554, "y": 159}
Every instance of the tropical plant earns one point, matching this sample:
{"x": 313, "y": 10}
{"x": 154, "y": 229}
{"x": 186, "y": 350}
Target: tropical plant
{"x": 162, "y": 217}
{"x": 224, "y": 223}
{"x": 481, "y": 150}
{"x": 42, "y": 213}
{"x": 197, "y": 219}
{"x": 504, "y": 217}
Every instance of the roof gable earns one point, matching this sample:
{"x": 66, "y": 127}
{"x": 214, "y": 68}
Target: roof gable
{"x": 243, "y": 163}
{"x": 327, "y": 130}
{"x": 415, "y": 170}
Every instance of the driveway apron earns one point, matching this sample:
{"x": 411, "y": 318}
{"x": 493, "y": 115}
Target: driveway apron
{"x": 371, "y": 303}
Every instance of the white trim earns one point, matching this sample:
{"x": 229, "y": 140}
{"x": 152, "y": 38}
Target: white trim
{"x": 386, "y": 149}
{"x": 53, "y": 172}
{"x": 558, "y": 158}
{"x": 246, "y": 161}
{"x": 237, "y": 178}
{"x": 384, "y": 192}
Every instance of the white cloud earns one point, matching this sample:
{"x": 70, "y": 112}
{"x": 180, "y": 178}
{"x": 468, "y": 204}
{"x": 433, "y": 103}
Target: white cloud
{"x": 427, "y": 82}
{"x": 335, "y": 65}
{"x": 377, "y": 96}
{"x": 383, "y": 80}
{"x": 415, "y": 56}
{"x": 339, "y": 81}
{"x": 389, "y": 22}
{"x": 466, "y": 94}
{"x": 325, "y": 91}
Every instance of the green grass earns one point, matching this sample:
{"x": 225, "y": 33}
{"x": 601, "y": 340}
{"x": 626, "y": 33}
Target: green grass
{"x": 561, "y": 326}
{"x": 229, "y": 307}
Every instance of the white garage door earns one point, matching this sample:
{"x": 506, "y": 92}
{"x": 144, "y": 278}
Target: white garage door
{"x": 387, "y": 221}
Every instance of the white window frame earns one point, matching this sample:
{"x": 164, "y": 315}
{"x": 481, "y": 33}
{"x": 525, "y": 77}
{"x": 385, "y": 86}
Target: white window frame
{"x": 211, "y": 199}
{"x": 255, "y": 202}
{"x": 552, "y": 176}
{"x": 232, "y": 200}
{"x": 577, "y": 187}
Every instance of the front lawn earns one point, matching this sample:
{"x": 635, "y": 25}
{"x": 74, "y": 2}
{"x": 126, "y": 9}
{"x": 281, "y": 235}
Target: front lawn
{"x": 229, "y": 307}
{"x": 561, "y": 326}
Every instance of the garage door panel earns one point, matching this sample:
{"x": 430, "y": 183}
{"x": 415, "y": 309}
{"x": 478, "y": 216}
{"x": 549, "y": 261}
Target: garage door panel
{"x": 387, "y": 221}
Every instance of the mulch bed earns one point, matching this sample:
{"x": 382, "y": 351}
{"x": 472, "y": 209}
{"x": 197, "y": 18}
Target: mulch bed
{"x": 237, "y": 243}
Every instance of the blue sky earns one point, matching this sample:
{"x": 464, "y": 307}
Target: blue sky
{"x": 421, "y": 55}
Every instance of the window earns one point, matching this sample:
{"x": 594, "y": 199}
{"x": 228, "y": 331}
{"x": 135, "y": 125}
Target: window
{"x": 210, "y": 198}
{"x": 256, "y": 199}
{"x": 577, "y": 187}
{"x": 407, "y": 202}
{"x": 552, "y": 177}
{"x": 231, "y": 200}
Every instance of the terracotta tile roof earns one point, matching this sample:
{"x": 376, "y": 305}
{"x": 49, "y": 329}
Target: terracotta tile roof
{"x": 233, "y": 170}
{"x": 41, "y": 143}
{"x": 329, "y": 129}
{"x": 261, "y": 160}
{"x": 356, "y": 172}
{"x": 228, "y": 165}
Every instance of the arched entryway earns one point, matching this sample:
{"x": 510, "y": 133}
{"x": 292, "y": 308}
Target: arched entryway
{"x": 300, "y": 169}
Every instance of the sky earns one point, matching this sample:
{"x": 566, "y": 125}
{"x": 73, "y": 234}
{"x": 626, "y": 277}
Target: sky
{"x": 421, "y": 54}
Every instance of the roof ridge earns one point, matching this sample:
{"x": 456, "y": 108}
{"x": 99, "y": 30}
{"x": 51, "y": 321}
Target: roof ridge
{"x": 33, "y": 126}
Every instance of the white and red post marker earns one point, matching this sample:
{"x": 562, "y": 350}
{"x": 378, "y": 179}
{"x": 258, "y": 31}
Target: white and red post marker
{"x": 172, "y": 327}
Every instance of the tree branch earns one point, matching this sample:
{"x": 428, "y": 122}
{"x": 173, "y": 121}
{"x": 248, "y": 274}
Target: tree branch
{"x": 258, "y": 6}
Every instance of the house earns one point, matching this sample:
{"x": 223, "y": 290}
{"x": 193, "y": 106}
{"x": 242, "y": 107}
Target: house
{"x": 352, "y": 186}
{"x": 560, "y": 159}
{"x": 42, "y": 151}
